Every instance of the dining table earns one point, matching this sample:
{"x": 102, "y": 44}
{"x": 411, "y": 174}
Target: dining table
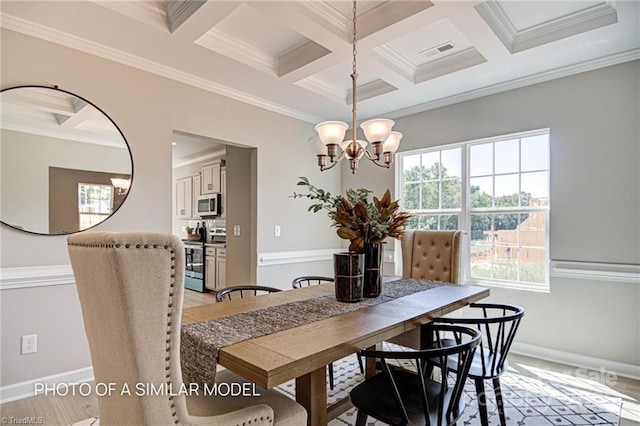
{"x": 302, "y": 352}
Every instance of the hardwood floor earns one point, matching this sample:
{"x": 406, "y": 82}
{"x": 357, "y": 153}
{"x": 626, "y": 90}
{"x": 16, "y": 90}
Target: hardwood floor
{"x": 58, "y": 410}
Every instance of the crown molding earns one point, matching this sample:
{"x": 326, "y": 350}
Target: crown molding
{"x": 178, "y": 11}
{"x": 65, "y": 39}
{"x": 238, "y": 50}
{"x": 594, "y": 64}
{"x": 323, "y": 88}
{"x": 329, "y": 15}
{"x": 370, "y": 90}
{"x": 392, "y": 59}
{"x": 150, "y": 13}
{"x": 300, "y": 56}
{"x": 515, "y": 41}
{"x": 209, "y": 156}
{"x": 449, "y": 64}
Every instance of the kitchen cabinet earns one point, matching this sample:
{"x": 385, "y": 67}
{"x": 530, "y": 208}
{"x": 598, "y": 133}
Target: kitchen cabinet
{"x": 210, "y": 268}
{"x": 187, "y": 193}
{"x": 195, "y": 190}
{"x": 223, "y": 189}
{"x": 221, "y": 268}
{"x": 216, "y": 268}
{"x": 210, "y": 183}
{"x": 184, "y": 198}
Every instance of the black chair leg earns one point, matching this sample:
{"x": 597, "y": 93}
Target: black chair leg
{"x": 482, "y": 402}
{"x": 499, "y": 401}
{"x": 361, "y": 420}
{"x": 360, "y": 363}
{"x": 330, "y": 367}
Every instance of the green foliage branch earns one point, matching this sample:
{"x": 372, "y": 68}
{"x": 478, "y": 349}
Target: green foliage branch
{"x": 356, "y": 218}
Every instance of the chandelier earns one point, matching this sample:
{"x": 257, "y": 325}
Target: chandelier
{"x": 330, "y": 144}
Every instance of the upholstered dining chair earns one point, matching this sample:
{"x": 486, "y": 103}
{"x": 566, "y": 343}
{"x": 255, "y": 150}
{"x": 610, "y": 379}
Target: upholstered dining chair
{"x": 429, "y": 255}
{"x": 131, "y": 287}
{"x": 432, "y": 255}
{"x": 498, "y": 324}
{"x": 240, "y": 290}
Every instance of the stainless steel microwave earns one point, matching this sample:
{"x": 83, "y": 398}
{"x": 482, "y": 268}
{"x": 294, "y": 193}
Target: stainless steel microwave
{"x": 210, "y": 205}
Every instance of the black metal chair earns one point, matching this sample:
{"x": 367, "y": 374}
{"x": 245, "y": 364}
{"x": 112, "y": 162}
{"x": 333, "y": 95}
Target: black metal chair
{"x": 397, "y": 396}
{"x": 240, "y": 290}
{"x": 498, "y": 325}
{"x": 308, "y": 281}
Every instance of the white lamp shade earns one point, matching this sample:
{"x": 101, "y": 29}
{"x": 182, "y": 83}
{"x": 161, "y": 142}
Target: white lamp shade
{"x": 377, "y": 130}
{"x": 332, "y": 132}
{"x": 317, "y": 146}
{"x": 392, "y": 143}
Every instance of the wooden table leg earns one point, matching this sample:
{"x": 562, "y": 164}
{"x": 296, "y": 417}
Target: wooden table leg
{"x": 311, "y": 393}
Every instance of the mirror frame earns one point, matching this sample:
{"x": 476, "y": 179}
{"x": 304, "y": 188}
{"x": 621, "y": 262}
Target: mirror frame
{"x": 115, "y": 210}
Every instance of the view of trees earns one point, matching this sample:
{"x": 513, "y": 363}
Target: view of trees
{"x": 432, "y": 188}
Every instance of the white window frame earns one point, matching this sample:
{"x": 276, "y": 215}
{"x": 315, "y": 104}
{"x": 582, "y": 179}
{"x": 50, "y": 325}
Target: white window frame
{"x": 464, "y": 222}
{"x": 103, "y": 215}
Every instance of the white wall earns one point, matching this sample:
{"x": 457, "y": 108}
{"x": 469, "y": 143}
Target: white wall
{"x": 147, "y": 108}
{"x": 595, "y": 199}
{"x": 26, "y": 159}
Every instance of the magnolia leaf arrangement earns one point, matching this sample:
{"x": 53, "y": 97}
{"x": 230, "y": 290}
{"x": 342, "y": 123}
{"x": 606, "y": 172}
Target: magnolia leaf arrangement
{"x": 355, "y": 217}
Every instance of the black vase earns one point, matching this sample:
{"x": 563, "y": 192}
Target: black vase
{"x": 372, "y": 285}
{"x": 349, "y": 274}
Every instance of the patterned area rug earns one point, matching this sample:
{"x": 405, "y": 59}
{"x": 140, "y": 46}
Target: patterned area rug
{"x": 529, "y": 401}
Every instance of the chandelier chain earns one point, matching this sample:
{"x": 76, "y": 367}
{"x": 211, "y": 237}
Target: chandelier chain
{"x": 354, "y": 37}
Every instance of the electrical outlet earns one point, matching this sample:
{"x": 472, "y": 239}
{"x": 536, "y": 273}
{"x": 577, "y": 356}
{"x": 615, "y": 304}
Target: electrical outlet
{"x": 29, "y": 344}
{"x": 236, "y": 230}
{"x": 277, "y": 231}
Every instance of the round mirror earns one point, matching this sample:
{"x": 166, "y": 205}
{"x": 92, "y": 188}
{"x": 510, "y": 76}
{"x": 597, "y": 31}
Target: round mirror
{"x": 65, "y": 165}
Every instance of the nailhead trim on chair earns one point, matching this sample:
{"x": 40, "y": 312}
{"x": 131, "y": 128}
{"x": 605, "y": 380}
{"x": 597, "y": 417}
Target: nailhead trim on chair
{"x": 169, "y": 314}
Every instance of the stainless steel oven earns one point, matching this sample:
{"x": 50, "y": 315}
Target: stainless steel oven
{"x": 194, "y": 266}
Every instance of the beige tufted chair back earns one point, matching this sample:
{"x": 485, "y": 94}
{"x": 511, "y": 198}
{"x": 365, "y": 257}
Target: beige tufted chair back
{"x": 131, "y": 288}
{"x": 432, "y": 255}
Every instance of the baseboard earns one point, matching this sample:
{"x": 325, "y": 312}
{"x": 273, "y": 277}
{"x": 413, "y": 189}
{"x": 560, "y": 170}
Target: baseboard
{"x": 27, "y": 389}
{"x": 577, "y": 360}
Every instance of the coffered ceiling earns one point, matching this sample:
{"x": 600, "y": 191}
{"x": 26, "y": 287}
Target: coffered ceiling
{"x": 294, "y": 57}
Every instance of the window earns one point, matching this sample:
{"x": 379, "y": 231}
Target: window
{"x": 95, "y": 203}
{"x": 497, "y": 190}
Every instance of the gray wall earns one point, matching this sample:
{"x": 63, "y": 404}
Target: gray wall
{"x": 595, "y": 198}
{"x": 147, "y": 108}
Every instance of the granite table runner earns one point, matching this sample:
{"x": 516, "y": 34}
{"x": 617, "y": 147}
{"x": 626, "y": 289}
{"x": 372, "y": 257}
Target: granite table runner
{"x": 201, "y": 341}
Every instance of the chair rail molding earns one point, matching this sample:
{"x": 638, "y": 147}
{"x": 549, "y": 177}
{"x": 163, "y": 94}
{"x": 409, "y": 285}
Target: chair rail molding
{"x": 612, "y": 272}
{"x": 298, "y": 256}
{"x": 35, "y": 276}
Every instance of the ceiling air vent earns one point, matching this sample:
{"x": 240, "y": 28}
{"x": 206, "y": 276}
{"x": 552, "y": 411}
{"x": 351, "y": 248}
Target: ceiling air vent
{"x": 436, "y": 50}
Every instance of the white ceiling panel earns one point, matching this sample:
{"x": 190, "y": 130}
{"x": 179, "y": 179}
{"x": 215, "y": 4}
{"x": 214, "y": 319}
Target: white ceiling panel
{"x": 294, "y": 56}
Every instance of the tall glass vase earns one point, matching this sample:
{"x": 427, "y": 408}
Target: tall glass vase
{"x": 349, "y": 272}
{"x": 372, "y": 285}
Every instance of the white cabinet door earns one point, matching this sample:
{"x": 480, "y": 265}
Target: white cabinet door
{"x": 195, "y": 189}
{"x": 184, "y": 198}
{"x": 210, "y": 179}
{"x": 210, "y": 273}
{"x": 223, "y": 189}
{"x": 221, "y": 268}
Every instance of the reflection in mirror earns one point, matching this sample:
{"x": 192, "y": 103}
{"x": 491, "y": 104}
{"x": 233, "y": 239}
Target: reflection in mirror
{"x": 65, "y": 165}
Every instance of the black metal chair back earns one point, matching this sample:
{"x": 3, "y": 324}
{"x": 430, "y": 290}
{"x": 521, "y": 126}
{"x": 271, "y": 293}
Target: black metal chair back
{"x": 239, "y": 291}
{"x": 310, "y": 280}
{"x": 399, "y": 397}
